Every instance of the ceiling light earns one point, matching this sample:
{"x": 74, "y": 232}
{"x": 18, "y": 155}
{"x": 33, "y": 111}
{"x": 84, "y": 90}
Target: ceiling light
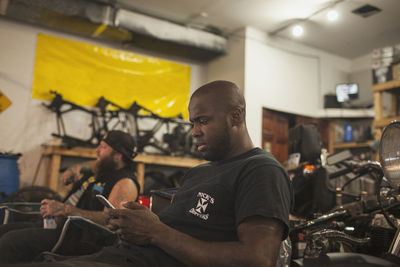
{"x": 297, "y": 30}
{"x": 332, "y": 15}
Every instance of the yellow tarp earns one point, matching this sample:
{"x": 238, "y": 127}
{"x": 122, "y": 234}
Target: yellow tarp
{"x": 82, "y": 73}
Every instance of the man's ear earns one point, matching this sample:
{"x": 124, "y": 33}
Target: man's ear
{"x": 117, "y": 157}
{"x": 237, "y": 116}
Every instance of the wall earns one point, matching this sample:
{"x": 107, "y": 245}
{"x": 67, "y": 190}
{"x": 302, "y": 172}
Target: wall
{"x": 361, "y": 73}
{"x": 230, "y": 67}
{"x": 26, "y": 124}
{"x": 287, "y": 76}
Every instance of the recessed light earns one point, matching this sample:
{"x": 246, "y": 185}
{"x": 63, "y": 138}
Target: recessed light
{"x": 332, "y": 15}
{"x": 297, "y": 30}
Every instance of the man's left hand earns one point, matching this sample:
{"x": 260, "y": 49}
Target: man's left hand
{"x": 135, "y": 224}
{"x": 52, "y": 208}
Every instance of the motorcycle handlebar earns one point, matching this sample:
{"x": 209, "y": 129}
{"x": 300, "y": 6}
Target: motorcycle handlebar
{"x": 357, "y": 168}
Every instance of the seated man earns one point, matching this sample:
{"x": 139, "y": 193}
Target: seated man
{"x": 233, "y": 211}
{"x": 113, "y": 178}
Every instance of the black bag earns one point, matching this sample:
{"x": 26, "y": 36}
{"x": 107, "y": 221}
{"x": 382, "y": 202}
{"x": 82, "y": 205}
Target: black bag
{"x": 305, "y": 139}
{"x": 312, "y": 194}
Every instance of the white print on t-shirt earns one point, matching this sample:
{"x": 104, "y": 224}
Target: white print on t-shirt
{"x": 202, "y": 204}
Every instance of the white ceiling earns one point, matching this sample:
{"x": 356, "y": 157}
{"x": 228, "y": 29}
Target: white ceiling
{"x": 350, "y": 36}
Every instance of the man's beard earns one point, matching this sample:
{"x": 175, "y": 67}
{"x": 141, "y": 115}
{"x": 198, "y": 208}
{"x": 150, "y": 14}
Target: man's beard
{"x": 220, "y": 146}
{"x": 105, "y": 166}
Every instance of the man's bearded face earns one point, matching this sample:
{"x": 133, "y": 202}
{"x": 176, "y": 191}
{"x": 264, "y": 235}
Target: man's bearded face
{"x": 106, "y": 164}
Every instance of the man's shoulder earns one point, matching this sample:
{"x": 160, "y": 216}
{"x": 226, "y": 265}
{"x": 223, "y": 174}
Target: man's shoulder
{"x": 251, "y": 159}
{"x": 261, "y": 157}
{"x": 263, "y": 163}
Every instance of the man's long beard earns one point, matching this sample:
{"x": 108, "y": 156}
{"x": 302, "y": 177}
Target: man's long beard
{"x": 105, "y": 166}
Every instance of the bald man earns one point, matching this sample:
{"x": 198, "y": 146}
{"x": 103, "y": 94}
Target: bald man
{"x": 232, "y": 211}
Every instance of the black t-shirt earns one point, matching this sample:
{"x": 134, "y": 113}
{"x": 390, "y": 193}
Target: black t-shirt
{"x": 216, "y": 197}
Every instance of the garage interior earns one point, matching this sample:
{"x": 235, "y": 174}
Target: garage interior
{"x": 72, "y": 69}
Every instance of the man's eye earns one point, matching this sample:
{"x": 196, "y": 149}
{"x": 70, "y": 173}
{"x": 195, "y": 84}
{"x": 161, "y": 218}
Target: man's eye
{"x": 203, "y": 122}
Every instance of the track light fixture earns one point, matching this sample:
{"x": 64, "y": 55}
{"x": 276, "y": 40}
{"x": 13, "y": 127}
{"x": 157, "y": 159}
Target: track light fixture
{"x": 298, "y": 30}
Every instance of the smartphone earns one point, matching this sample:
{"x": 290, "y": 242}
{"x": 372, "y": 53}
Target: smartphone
{"x": 105, "y": 201}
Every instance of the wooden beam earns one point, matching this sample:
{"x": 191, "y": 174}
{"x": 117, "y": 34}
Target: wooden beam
{"x": 386, "y": 86}
{"x": 394, "y": 105}
{"x": 353, "y": 144}
{"x": 145, "y": 158}
{"x": 385, "y": 121}
{"x": 53, "y": 173}
{"x": 378, "y": 106}
{"x": 140, "y": 171}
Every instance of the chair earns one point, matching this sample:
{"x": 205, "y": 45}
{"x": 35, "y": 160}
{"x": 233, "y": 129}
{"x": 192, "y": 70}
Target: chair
{"x": 20, "y": 212}
{"x": 81, "y": 236}
{"x": 159, "y": 199}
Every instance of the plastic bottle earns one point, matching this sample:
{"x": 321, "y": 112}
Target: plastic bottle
{"x": 49, "y": 223}
{"x": 348, "y": 133}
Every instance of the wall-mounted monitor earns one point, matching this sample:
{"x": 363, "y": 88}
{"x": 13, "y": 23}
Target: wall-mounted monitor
{"x": 346, "y": 92}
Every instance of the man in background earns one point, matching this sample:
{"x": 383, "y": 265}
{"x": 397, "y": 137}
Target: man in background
{"x": 111, "y": 176}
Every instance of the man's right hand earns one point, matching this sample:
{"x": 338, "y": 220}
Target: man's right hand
{"x": 135, "y": 223}
{"x": 71, "y": 175}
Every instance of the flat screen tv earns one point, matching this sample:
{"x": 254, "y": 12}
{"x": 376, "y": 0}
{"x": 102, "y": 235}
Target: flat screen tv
{"x": 346, "y": 92}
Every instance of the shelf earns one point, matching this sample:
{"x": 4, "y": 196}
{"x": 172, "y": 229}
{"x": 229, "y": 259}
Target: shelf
{"x": 346, "y": 113}
{"x": 386, "y": 86}
{"x": 353, "y": 144}
{"x": 86, "y": 152}
{"x": 385, "y": 121}
{"x": 381, "y": 120}
{"x": 56, "y": 152}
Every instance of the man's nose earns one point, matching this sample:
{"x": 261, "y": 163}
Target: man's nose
{"x": 196, "y": 130}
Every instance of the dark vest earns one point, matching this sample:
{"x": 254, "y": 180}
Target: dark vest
{"x": 99, "y": 185}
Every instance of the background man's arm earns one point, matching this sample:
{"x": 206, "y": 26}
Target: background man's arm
{"x": 74, "y": 173}
{"x": 124, "y": 190}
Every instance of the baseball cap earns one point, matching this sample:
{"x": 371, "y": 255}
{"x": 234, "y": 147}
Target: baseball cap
{"x": 121, "y": 142}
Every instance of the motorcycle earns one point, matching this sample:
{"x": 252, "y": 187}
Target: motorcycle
{"x": 353, "y": 230}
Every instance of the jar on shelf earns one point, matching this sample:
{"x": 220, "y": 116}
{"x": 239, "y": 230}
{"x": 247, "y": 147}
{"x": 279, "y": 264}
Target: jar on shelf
{"x": 348, "y": 133}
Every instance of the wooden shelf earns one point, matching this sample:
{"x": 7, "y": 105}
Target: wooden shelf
{"x": 347, "y": 113}
{"x": 86, "y": 152}
{"x": 56, "y": 152}
{"x": 352, "y": 145}
{"x": 380, "y": 121}
{"x": 386, "y": 86}
{"x": 385, "y": 121}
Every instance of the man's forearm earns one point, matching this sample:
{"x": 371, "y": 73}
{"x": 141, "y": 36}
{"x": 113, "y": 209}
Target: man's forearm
{"x": 194, "y": 252}
{"x": 95, "y": 216}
